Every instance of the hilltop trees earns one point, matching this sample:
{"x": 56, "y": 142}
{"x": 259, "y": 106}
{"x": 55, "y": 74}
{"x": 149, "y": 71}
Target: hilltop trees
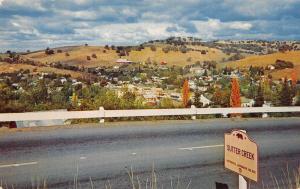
{"x": 282, "y": 64}
{"x": 153, "y": 48}
{"x": 185, "y": 93}
{"x": 49, "y": 51}
{"x": 235, "y": 97}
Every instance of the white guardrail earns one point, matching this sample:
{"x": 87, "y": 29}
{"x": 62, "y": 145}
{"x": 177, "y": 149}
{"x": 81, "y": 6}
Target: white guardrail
{"x": 101, "y": 113}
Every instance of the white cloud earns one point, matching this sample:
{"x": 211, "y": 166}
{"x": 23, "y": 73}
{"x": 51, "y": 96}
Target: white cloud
{"x": 130, "y": 32}
{"x": 152, "y": 16}
{"x": 239, "y": 25}
{"x": 30, "y": 4}
{"x": 33, "y": 23}
{"x": 81, "y": 2}
{"x": 23, "y": 25}
{"x": 129, "y": 11}
{"x": 259, "y": 7}
{"x": 212, "y": 27}
{"x": 84, "y": 14}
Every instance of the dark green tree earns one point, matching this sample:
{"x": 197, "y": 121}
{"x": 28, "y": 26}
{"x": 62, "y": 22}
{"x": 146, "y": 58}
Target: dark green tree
{"x": 285, "y": 96}
{"x": 197, "y": 102}
{"x": 259, "y": 99}
{"x": 128, "y": 99}
{"x": 205, "y": 73}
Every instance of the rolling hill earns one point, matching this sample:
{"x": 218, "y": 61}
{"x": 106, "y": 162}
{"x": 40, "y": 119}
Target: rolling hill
{"x": 78, "y": 56}
{"x": 9, "y": 68}
{"x": 265, "y": 60}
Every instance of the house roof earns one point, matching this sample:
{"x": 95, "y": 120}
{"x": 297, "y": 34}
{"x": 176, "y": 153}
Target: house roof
{"x": 246, "y": 100}
{"x": 123, "y": 61}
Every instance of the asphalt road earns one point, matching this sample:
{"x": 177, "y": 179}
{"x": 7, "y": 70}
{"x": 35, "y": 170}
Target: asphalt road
{"x": 188, "y": 152}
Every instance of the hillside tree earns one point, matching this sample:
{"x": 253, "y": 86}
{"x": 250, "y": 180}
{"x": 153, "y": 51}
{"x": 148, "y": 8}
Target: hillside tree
{"x": 259, "y": 99}
{"x": 197, "y": 96}
{"x": 285, "y": 96}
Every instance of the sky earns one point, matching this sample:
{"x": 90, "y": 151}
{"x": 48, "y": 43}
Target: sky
{"x": 37, "y": 24}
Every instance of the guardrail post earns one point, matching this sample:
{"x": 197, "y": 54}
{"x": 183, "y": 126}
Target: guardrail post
{"x": 265, "y": 115}
{"x": 225, "y": 115}
{"x": 194, "y": 112}
{"x": 102, "y": 114}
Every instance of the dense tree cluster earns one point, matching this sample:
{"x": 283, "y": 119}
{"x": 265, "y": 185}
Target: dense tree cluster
{"x": 281, "y": 64}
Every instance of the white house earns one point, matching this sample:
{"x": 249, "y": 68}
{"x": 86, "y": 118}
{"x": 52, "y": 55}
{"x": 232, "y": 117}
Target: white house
{"x": 192, "y": 84}
{"x": 271, "y": 67}
{"x": 123, "y": 61}
{"x": 176, "y": 96}
{"x": 197, "y": 70}
{"x": 150, "y": 98}
{"x": 246, "y": 102}
{"x": 205, "y": 101}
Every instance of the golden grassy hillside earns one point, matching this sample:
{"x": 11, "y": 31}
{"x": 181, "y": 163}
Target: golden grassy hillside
{"x": 9, "y": 68}
{"x": 175, "y": 58}
{"x": 264, "y": 60}
{"x": 78, "y": 56}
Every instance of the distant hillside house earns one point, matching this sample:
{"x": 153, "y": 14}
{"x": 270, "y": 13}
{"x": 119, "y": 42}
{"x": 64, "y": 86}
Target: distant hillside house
{"x": 123, "y": 61}
{"x": 197, "y": 70}
{"x": 163, "y": 63}
{"x": 176, "y": 96}
{"x": 151, "y": 99}
{"x": 271, "y": 67}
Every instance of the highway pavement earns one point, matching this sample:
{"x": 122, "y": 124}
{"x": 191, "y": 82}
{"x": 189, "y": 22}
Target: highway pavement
{"x": 189, "y": 152}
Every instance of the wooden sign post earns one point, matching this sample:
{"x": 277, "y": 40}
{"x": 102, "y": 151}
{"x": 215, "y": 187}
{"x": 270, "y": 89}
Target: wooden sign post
{"x": 241, "y": 156}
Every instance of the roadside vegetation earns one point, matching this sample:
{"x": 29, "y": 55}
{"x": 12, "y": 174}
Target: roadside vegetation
{"x": 288, "y": 180}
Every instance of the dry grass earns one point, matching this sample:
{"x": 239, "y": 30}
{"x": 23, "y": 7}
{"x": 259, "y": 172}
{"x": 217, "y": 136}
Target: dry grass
{"x": 175, "y": 58}
{"x": 135, "y": 182}
{"x": 264, "y": 60}
{"x": 78, "y": 56}
{"x": 9, "y": 68}
{"x": 287, "y": 181}
{"x": 278, "y": 74}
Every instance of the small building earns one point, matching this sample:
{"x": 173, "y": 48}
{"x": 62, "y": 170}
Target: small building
{"x": 271, "y": 67}
{"x": 192, "y": 84}
{"x": 176, "y": 96}
{"x": 205, "y": 101}
{"x": 123, "y": 61}
{"x": 197, "y": 70}
{"x": 150, "y": 98}
{"x": 63, "y": 80}
{"x": 163, "y": 63}
{"x": 246, "y": 102}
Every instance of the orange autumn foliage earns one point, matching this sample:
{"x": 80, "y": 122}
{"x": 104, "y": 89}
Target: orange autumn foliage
{"x": 235, "y": 97}
{"x": 185, "y": 93}
{"x": 294, "y": 78}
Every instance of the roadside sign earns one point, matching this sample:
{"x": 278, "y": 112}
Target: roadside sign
{"x": 241, "y": 154}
